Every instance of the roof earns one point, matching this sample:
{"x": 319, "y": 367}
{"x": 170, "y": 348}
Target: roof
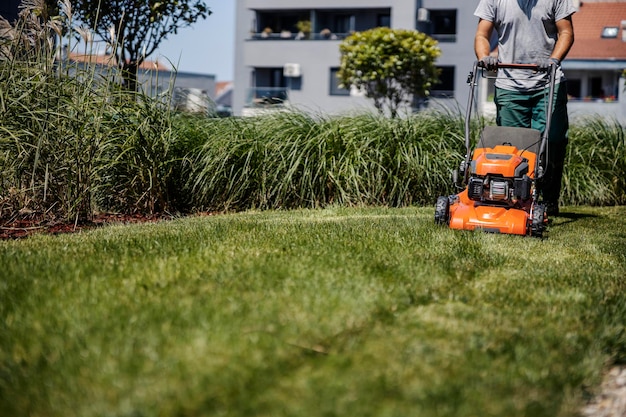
{"x": 589, "y": 21}
{"x": 222, "y": 87}
{"x": 224, "y": 93}
{"x": 109, "y": 60}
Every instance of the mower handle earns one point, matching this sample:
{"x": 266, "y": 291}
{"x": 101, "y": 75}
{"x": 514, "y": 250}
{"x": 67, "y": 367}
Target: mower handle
{"x": 551, "y": 70}
{"x": 533, "y": 67}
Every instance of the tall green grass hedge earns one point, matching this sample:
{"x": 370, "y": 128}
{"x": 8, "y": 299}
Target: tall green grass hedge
{"x": 595, "y": 170}
{"x": 71, "y": 140}
{"x": 293, "y": 160}
{"x": 72, "y": 144}
{"x": 133, "y": 159}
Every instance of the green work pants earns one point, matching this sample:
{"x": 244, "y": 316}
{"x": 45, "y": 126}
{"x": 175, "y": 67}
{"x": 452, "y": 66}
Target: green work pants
{"x": 528, "y": 109}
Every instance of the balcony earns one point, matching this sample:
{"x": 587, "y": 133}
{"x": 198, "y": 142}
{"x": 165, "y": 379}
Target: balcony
{"x": 286, "y": 35}
{"x": 265, "y": 100}
{"x": 335, "y": 24}
{"x": 266, "y": 97}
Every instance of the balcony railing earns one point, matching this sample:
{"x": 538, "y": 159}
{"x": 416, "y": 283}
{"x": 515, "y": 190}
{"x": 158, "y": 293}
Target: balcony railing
{"x": 266, "y": 97}
{"x": 282, "y": 36}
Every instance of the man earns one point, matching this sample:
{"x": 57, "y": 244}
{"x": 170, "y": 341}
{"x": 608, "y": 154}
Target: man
{"x": 530, "y": 32}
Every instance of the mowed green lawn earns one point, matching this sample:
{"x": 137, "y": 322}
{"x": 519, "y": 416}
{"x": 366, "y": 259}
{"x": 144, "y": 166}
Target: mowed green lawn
{"x": 335, "y": 312}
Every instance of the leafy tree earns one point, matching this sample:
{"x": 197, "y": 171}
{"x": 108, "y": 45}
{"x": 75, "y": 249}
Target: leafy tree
{"x": 389, "y": 65}
{"x": 135, "y": 28}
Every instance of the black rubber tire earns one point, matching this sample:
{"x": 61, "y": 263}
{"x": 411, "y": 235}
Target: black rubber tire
{"x": 442, "y": 210}
{"x": 538, "y": 225}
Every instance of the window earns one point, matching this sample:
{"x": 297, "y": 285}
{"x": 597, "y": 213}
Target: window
{"x": 343, "y": 24}
{"x": 278, "y": 22}
{"x": 269, "y": 87}
{"x": 574, "y": 88}
{"x": 383, "y": 20}
{"x": 445, "y": 87}
{"x": 335, "y": 90}
{"x": 443, "y": 25}
{"x": 610, "y": 32}
{"x": 270, "y": 77}
{"x": 596, "y": 87}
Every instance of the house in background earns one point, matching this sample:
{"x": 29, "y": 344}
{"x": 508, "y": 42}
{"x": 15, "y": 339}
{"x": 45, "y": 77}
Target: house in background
{"x": 191, "y": 92}
{"x": 224, "y": 98}
{"x": 287, "y": 53}
{"x": 595, "y": 64}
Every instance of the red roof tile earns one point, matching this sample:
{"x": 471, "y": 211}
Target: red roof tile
{"x": 589, "y": 21}
{"x": 222, "y": 86}
{"x": 110, "y": 60}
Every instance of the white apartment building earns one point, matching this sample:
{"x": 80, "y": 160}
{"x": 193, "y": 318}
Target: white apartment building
{"x": 276, "y": 64}
{"x": 279, "y": 65}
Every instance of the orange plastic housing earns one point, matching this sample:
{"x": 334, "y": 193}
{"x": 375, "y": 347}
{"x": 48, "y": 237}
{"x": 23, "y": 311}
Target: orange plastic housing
{"x": 466, "y": 214}
{"x": 492, "y": 161}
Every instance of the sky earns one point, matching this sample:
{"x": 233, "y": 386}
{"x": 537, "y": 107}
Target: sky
{"x": 207, "y": 47}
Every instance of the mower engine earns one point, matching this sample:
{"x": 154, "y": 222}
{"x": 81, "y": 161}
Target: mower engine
{"x": 499, "y": 175}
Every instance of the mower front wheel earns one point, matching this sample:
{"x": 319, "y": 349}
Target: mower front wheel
{"x": 538, "y": 222}
{"x": 442, "y": 210}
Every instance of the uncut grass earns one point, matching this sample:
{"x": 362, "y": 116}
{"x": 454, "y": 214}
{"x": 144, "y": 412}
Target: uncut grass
{"x": 331, "y": 312}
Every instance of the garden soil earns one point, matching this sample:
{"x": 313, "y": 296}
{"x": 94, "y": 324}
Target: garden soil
{"x": 26, "y": 224}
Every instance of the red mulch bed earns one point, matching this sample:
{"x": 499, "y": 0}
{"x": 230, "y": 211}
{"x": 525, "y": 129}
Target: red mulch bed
{"x": 24, "y": 225}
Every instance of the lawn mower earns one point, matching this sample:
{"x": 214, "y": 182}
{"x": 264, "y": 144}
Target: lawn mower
{"x": 499, "y": 178}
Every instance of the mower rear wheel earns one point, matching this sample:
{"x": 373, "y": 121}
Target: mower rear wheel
{"x": 442, "y": 210}
{"x": 538, "y": 224}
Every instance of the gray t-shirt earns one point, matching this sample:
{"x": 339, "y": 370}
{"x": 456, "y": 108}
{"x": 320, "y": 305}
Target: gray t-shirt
{"x": 526, "y": 33}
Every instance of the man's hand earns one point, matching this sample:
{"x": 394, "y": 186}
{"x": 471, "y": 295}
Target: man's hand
{"x": 490, "y": 63}
{"x": 544, "y": 63}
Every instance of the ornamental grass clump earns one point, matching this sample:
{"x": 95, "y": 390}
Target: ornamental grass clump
{"x": 293, "y": 159}
{"x": 50, "y": 117}
{"x": 595, "y": 166}
{"x": 138, "y": 161}
{"x": 73, "y": 141}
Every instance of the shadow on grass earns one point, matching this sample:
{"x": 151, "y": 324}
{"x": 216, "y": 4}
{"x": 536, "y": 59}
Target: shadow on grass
{"x": 568, "y": 217}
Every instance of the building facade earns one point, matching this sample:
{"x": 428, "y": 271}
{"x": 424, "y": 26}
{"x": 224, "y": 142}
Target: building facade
{"x": 595, "y": 64}
{"x": 287, "y": 51}
{"x": 190, "y": 92}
